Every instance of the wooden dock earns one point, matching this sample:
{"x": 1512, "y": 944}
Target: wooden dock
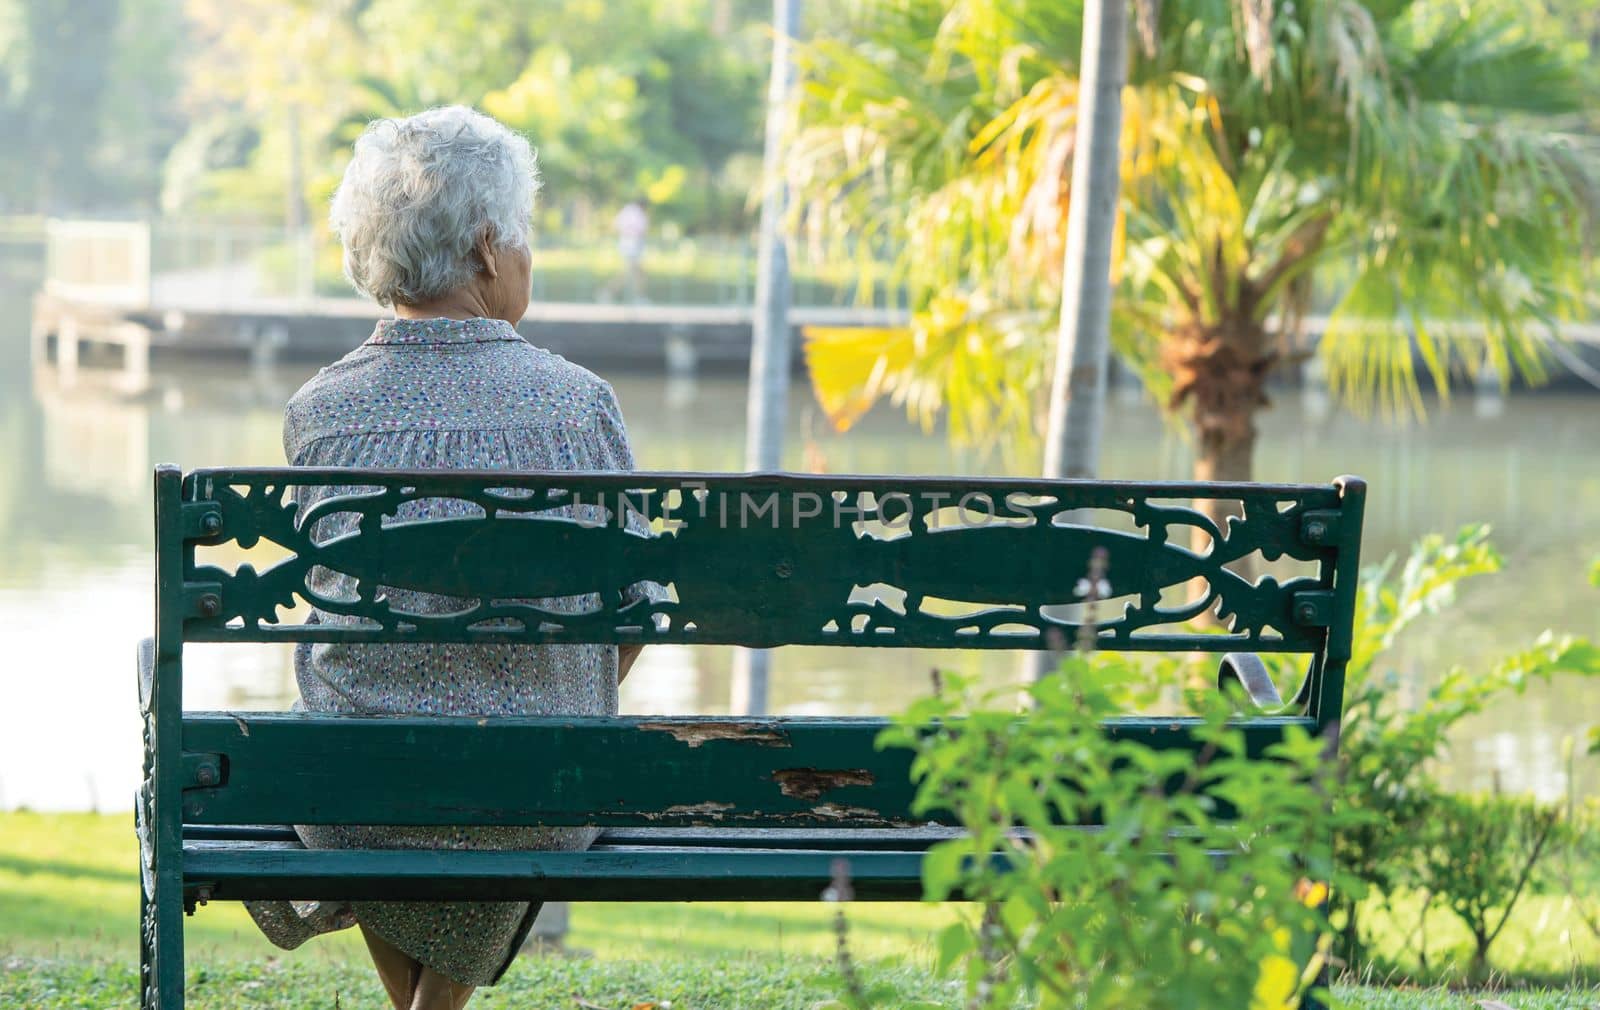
{"x": 677, "y": 338}
{"x": 117, "y": 294}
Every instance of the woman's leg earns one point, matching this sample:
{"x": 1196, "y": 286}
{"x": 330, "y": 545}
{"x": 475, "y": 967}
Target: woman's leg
{"x": 396, "y": 969}
{"x": 435, "y": 992}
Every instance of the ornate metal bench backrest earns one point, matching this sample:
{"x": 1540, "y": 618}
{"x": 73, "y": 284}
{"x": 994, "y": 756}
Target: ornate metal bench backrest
{"x": 757, "y": 560}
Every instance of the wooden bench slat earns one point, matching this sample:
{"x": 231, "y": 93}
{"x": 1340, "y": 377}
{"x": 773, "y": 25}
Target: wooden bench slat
{"x": 785, "y": 838}
{"x": 228, "y": 871}
{"x": 293, "y": 768}
{"x": 287, "y": 768}
{"x": 756, "y": 838}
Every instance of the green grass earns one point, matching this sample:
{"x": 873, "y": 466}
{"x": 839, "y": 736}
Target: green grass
{"x": 68, "y": 903}
{"x": 1367, "y": 998}
{"x": 294, "y": 984}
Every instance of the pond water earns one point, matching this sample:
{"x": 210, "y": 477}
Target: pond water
{"x": 75, "y": 575}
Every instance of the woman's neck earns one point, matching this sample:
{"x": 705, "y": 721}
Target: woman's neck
{"x": 463, "y": 303}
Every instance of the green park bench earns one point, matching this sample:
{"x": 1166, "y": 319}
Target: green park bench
{"x": 693, "y": 808}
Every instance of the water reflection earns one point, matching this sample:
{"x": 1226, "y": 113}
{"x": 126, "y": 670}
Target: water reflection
{"x": 75, "y": 540}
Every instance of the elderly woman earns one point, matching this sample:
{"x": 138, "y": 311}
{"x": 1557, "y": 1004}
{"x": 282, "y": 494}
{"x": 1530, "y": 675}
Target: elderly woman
{"x": 434, "y": 215}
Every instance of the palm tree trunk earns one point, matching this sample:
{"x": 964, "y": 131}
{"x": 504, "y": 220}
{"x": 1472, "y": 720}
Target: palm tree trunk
{"x": 1226, "y": 455}
{"x": 1078, "y": 392}
{"x": 1220, "y": 371}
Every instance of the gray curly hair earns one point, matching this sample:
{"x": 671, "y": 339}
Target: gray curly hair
{"x": 420, "y": 191}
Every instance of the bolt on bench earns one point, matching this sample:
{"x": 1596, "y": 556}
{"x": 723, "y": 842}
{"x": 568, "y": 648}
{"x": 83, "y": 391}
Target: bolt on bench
{"x": 697, "y": 808}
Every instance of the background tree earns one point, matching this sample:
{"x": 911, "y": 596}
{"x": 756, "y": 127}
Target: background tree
{"x": 185, "y": 104}
{"x": 56, "y": 82}
{"x": 1412, "y": 156}
{"x": 641, "y": 98}
{"x": 268, "y": 79}
{"x": 623, "y": 98}
{"x": 140, "y": 118}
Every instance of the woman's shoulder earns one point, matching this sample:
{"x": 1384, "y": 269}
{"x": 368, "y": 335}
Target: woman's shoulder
{"x": 564, "y": 371}
{"x": 506, "y": 385}
{"x": 330, "y": 393}
{"x": 557, "y": 380}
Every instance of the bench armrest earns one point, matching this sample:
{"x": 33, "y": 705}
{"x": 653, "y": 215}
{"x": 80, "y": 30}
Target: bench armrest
{"x": 1248, "y": 672}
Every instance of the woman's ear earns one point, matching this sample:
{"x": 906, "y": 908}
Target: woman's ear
{"x": 485, "y": 251}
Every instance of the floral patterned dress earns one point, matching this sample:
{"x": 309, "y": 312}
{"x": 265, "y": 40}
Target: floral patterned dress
{"x": 445, "y": 394}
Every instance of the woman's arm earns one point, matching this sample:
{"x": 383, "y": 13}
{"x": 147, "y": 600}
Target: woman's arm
{"x": 616, "y": 454}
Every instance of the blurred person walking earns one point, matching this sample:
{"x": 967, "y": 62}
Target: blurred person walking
{"x": 633, "y": 226}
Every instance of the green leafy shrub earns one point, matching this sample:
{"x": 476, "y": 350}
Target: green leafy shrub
{"x": 1574, "y": 865}
{"x": 1477, "y": 855}
{"x": 1196, "y": 892}
{"x": 1387, "y": 751}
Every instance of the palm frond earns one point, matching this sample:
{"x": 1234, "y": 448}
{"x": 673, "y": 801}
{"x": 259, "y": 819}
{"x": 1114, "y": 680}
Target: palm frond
{"x": 1415, "y": 155}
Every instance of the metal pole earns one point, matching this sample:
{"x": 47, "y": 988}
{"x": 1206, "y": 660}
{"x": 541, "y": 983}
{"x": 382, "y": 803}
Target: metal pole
{"x": 1078, "y": 393}
{"x": 769, "y": 347}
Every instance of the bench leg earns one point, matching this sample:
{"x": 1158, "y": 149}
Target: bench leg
{"x": 160, "y": 663}
{"x": 160, "y": 949}
{"x": 147, "y": 952}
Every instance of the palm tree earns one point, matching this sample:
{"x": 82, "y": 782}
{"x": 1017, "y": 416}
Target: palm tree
{"x": 1078, "y": 390}
{"x": 1411, "y": 155}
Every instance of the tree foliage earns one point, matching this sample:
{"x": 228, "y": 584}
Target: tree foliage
{"x": 87, "y": 101}
{"x": 248, "y": 108}
{"x": 1415, "y": 158}
{"x": 1200, "y": 890}
{"x": 623, "y": 98}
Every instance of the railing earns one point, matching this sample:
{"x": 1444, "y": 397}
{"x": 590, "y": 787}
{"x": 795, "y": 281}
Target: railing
{"x": 22, "y": 244}
{"x": 207, "y": 262}
{"x": 21, "y": 231}
{"x": 98, "y": 261}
